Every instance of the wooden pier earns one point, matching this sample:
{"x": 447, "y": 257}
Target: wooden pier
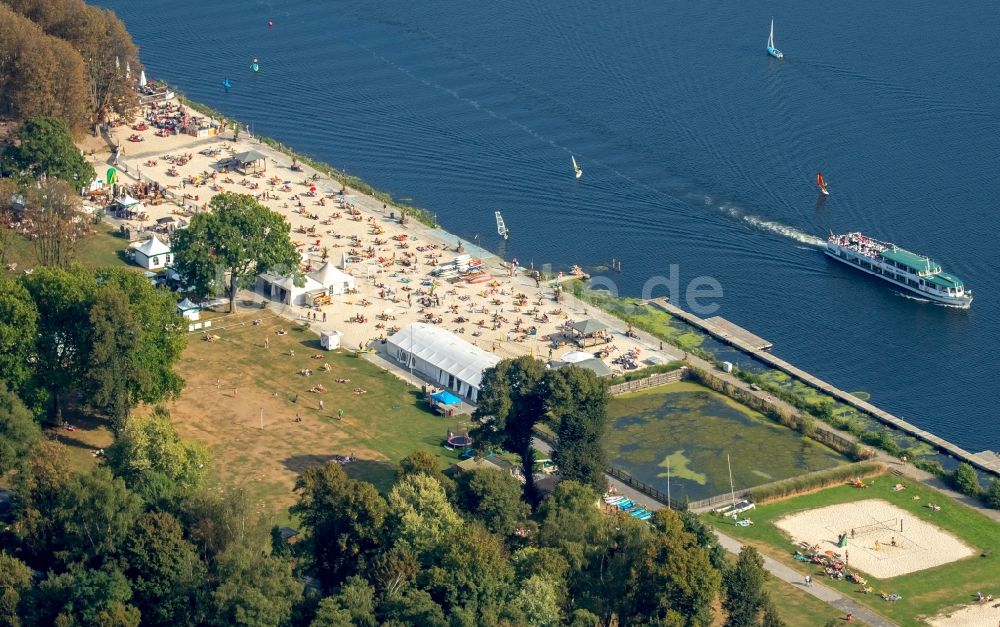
{"x": 986, "y": 460}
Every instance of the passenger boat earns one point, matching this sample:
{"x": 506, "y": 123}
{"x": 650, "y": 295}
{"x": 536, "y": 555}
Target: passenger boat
{"x": 905, "y": 269}
{"x": 771, "y": 50}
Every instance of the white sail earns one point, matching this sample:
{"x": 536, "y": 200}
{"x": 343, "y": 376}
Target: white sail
{"x": 770, "y": 38}
{"x": 576, "y": 168}
{"x": 501, "y": 227}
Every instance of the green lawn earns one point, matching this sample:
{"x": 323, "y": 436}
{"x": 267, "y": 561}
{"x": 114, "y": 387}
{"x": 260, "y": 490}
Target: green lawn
{"x": 925, "y": 593}
{"x": 232, "y": 380}
{"x": 96, "y": 250}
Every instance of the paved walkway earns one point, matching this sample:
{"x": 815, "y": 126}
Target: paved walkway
{"x": 823, "y": 593}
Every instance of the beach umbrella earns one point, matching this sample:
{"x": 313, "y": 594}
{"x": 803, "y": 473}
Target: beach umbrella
{"x": 112, "y": 176}
{"x": 142, "y": 78}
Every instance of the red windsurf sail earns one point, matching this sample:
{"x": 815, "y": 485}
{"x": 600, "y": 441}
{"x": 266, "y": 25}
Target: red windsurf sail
{"x": 819, "y": 179}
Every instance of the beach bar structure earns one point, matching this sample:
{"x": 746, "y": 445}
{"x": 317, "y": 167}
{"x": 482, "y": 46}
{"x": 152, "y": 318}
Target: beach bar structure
{"x": 441, "y": 357}
{"x": 250, "y": 162}
{"x": 589, "y": 332}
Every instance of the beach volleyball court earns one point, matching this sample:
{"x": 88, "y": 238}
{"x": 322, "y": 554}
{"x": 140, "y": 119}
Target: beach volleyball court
{"x": 888, "y": 541}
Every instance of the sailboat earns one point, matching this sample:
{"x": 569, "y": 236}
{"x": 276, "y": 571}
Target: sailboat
{"x": 576, "y": 167}
{"x": 771, "y": 50}
{"x": 822, "y": 184}
{"x": 501, "y": 227}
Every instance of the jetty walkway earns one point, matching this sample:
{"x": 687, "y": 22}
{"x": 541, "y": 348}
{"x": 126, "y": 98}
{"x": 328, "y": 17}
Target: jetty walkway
{"x": 738, "y": 338}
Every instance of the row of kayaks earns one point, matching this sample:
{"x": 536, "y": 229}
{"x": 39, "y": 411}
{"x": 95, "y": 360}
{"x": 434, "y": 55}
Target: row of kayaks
{"x": 629, "y": 507}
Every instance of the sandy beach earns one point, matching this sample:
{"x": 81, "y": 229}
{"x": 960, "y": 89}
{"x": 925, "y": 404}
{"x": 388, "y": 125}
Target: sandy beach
{"x": 390, "y": 261}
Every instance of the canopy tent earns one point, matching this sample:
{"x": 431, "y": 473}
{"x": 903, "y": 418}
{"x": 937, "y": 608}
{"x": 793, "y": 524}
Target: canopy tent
{"x": 250, "y": 161}
{"x": 188, "y": 309}
{"x": 152, "y": 253}
{"x": 446, "y": 402}
{"x": 573, "y": 357}
{"x": 335, "y": 280}
{"x": 284, "y": 289}
{"x": 442, "y": 357}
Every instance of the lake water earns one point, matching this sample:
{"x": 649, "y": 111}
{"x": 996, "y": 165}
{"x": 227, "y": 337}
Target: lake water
{"x": 698, "y": 150}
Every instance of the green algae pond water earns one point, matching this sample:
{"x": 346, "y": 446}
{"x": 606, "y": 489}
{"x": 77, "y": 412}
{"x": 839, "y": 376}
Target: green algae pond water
{"x": 691, "y": 429}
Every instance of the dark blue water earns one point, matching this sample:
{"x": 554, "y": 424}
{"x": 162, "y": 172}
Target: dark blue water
{"x": 698, "y": 150}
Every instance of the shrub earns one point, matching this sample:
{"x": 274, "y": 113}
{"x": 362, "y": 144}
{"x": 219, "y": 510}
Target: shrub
{"x": 814, "y": 480}
{"x": 993, "y": 494}
{"x": 966, "y": 480}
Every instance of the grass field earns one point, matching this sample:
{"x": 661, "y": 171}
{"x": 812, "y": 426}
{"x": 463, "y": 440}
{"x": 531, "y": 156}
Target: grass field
{"x": 233, "y": 381}
{"x": 924, "y": 593}
{"x": 96, "y": 250}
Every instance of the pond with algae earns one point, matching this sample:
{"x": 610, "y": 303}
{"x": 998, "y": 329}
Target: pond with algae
{"x": 685, "y": 430}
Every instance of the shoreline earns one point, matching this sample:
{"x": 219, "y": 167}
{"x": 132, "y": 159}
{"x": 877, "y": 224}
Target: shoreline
{"x": 368, "y": 198}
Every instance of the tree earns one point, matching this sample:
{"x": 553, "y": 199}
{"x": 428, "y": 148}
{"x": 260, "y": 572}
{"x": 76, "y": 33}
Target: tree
{"x": 83, "y": 596}
{"x": 675, "y": 578}
{"x": 472, "y": 579}
{"x": 18, "y": 325}
{"x": 510, "y": 403}
{"x": 744, "y": 583}
{"x": 427, "y": 463}
{"x": 136, "y": 336}
{"x": 344, "y": 519}
{"x": 39, "y": 484}
{"x": 352, "y": 606}
{"x": 771, "y": 616}
{"x": 537, "y": 602}
{"x": 40, "y": 74}
{"x": 217, "y": 522}
{"x": 54, "y": 208}
{"x": 254, "y": 590}
{"x": 571, "y": 522}
{"x": 493, "y": 498}
{"x": 45, "y": 148}
{"x": 966, "y": 480}
{"x": 103, "y": 42}
{"x": 993, "y": 494}
{"x": 166, "y": 573}
{"x": 154, "y": 461}
{"x": 15, "y": 583}
{"x": 18, "y": 430}
{"x": 113, "y": 368}
{"x": 422, "y": 519}
{"x": 240, "y": 236}
{"x": 576, "y": 401}
{"x": 62, "y": 298}
{"x": 413, "y": 607}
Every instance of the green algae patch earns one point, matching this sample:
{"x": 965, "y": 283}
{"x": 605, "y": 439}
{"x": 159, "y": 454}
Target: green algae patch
{"x": 676, "y": 465}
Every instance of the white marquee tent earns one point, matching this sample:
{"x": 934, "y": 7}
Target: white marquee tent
{"x": 442, "y": 357}
{"x": 283, "y": 288}
{"x": 335, "y": 280}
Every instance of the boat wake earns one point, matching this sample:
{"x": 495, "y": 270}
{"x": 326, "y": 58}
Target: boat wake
{"x": 771, "y": 226}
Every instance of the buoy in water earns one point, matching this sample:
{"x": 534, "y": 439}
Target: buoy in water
{"x": 270, "y": 24}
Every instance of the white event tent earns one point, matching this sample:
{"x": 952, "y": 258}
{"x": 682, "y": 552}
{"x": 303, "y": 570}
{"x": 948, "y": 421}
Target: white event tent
{"x": 442, "y": 357}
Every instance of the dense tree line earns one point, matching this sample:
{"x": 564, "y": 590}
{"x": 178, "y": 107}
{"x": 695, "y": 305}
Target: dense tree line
{"x": 65, "y": 58}
{"x": 107, "y": 337}
{"x": 40, "y": 74}
{"x": 518, "y": 394}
